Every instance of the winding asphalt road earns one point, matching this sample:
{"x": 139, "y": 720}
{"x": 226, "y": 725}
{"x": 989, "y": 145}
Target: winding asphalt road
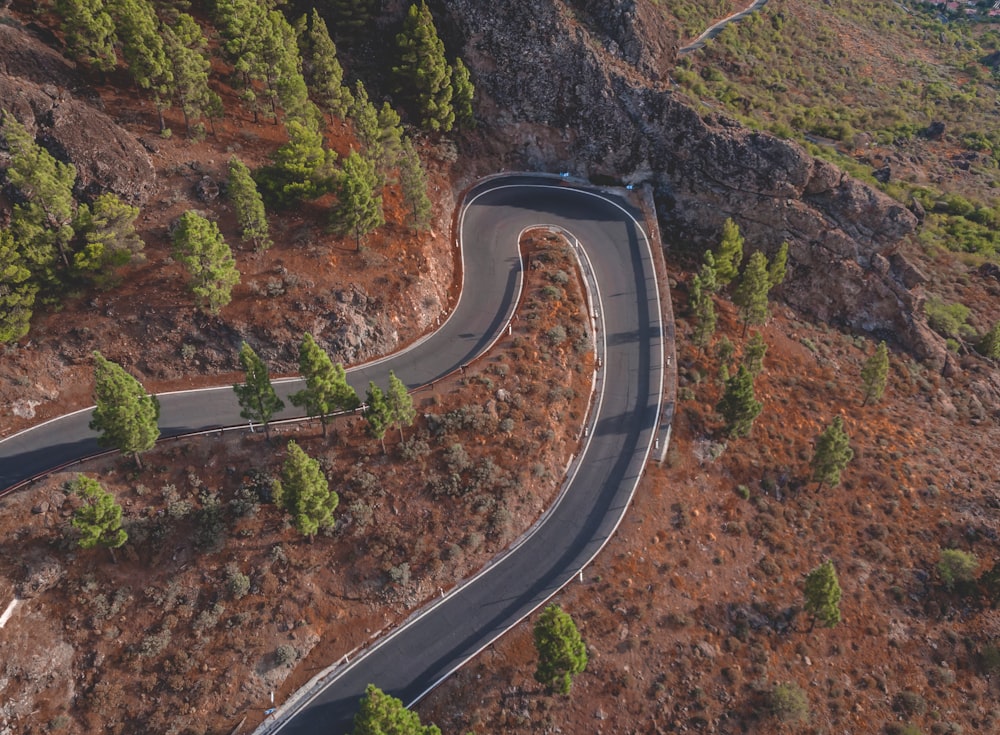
{"x": 716, "y": 28}
{"x": 621, "y": 430}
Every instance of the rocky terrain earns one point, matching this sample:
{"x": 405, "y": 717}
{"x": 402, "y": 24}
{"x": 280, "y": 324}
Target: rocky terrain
{"x": 581, "y": 86}
{"x": 43, "y": 90}
{"x": 693, "y": 614}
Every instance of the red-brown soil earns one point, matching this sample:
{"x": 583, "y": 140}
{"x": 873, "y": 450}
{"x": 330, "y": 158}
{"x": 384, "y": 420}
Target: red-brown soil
{"x": 160, "y": 642}
{"x": 693, "y": 612}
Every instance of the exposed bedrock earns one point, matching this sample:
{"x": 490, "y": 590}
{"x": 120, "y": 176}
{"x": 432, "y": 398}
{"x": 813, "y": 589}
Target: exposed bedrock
{"x": 582, "y": 86}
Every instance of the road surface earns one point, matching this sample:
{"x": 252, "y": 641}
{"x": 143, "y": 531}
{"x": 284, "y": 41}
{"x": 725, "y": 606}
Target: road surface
{"x": 621, "y": 431}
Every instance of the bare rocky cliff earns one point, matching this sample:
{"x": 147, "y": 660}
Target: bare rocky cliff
{"x": 43, "y": 91}
{"x": 582, "y": 86}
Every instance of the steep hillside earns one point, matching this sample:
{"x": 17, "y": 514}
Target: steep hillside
{"x": 694, "y": 614}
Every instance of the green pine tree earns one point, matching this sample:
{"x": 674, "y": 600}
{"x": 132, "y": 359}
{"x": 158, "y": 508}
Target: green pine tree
{"x": 390, "y": 141}
{"x": 359, "y": 205}
{"x": 89, "y": 31}
{"x": 124, "y": 414}
{"x": 778, "y": 269}
{"x": 875, "y": 374}
{"x": 99, "y": 519}
{"x": 708, "y": 275}
{"x": 753, "y": 354}
{"x": 248, "y": 205}
{"x": 108, "y": 240}
{"x": 464, "y": 91}
{"x": 822, "y": 593}
{"x": 17, "y": 291}
{"x": 200, "y": 247}
{"x": 382, "y": 714}
{"x": 186, "y": 47}
{"x": 423, "y": 75}
{"x": 729, "y": 255}
{"x": 833, "y": 453}
{"x": 327, "y": 390}
{"x": 703, "y": 311}
{"x": 989, "y": 345}
{"x": 400, "y": 402}
{"x": 752, "y": 291}
{"x": 413, "y": 186}
{"x": 364, "y": 116}
{"x": 322, "y": 69}
{"x": 243, "y": 24}
{"x": 377, "y": 413}
{"x": 304, "y": 492}
{"x": 352, "y": 18}
{"x": 139, "y": 31}
{"x": 282, "y": 71}
{"x": 258, "y": 400}
{"x": 562, "y": 653}
{"x": 43, "y": 224}
{"x": 739, "y": 405}
{"x": 301, "y": 169}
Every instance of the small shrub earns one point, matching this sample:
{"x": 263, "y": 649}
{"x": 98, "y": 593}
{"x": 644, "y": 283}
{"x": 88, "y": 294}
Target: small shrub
{"x": 743, "y": 491}
{"x": 557, "y": 335}
{"x": 909, "y": 702}
{"x": 237, "y": 583}
{"x": 956, "y": 567}
{"x": 285, "y": 654}
{"x": 788, "y": 703}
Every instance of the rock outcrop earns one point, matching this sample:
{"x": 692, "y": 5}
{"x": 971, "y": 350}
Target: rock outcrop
{"x": 44, "y": 92}
{"x": 578, "y": 85}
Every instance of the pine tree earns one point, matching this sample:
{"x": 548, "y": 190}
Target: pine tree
{"x": 562, "y": 653}
{"x": 390, "y": 141}
{"x": 377, "y": 413}
{"x": 17, "y": 292}
{"x": 99, "y": 519}
{"x": 708, "y": 275}
{"x": 778, "y": 268}
{"x": 359, "y": 206}
{"x": 200, "y": 247}
{"x": 822, "y": 595}
{"x": 301, "y": 169}
{"x": 461, "y": 83}
{"x": 257, "y": 398}
{"x": 243, "y": 25}
{"x": 322, "y": 69}
{"x": 729, "y": 255}
{"x": 42, "y": 225}
{"x": 90, "y": 32}
{"x": 364, "y": 116}
{"x": 703, "y": 308}
{"x": 108, "y": 240}
{"x": 281, "y": 65}
{"x": 875, "y": 374}
{"x": 423, "y": 75}
{"x": 751, "y": 292}
{"x": 327, "y": 390}
{"x": 989, "y": 345}
{"x": 352, "y": 18}
{"x": 413, "y": 186}
{"x": 401, "y": 410}
{"x": 304, "y": 492}
{"x": 753, "y": 354}
{"x": 124, "y": 414}
{"x": 186, "y": 46}
{"x": 739, "y": 406}
{"x": 248, "y": 206}
{"x": 144, "y": 50}
{"x": 833, "y": 453}
{"x": 382, "y": 714}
